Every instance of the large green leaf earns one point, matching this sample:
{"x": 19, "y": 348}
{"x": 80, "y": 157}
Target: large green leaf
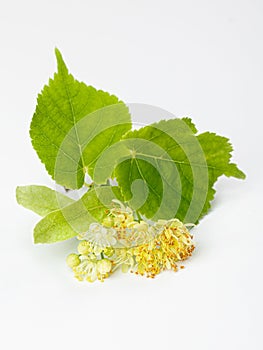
{"x": 40, "y": 199}
{"x": 73, "y": 124}
{"x": 76, "y": 218}
{"x": 165, "y": 170}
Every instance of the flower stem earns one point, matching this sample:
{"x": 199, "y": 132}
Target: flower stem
{"x": 139, "y": 216}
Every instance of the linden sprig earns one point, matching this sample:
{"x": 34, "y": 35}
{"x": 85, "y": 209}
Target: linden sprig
{"x": 164, "y": 172}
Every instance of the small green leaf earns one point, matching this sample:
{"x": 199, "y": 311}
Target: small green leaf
{"x": 73, "y": 124}
{"x": 76, "y": 218}
{"x": 40, "y": 199}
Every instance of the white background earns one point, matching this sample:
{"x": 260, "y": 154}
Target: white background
{"x": 201, "y": 59}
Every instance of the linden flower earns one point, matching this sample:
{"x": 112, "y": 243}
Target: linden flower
{"x": 91, "y": 269}
{"x": 141, "y": 226}
{"x": 144, "y": 247}
{"x": 120, "y": 217}
{"x": 99, "y": 235}
{"x": 141, "y": 232}
{"x": 124, "y": 258}
{"x": 128, "y": 231}
{"x": 173, "y": 244}
{"x": 87, "y": 269}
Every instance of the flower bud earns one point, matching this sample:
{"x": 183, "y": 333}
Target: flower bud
{"x": 108, "y": 251}
{"x": 104, "y": 266}
{"x": 84, "y": 247}
{"x": 73, "y": 260}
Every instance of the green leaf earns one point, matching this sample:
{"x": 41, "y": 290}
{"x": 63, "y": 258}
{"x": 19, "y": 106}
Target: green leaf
{"x": 73, "y": 124}
{"x": 40, "y": 199}
{"x": 76, "y": 218}
{"x": 166, "y": 171}
{"x": 218, "y": 156}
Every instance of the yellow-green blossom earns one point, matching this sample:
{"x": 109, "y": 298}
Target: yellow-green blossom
{"x": 146, "y": 248}
{"x": 84, "y": 247}
{"x": 173, "y": 244}
{"x": 99, "y": 235}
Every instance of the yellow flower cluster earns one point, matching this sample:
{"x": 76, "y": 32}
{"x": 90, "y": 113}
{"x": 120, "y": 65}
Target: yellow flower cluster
{"x": 131, "y": 244}
{"x": 173, "y": 244}
{"x": 87, "y": 266}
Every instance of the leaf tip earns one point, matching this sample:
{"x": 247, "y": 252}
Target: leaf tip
{"x": 242, "y": 175}
{"x": 60, "y": 61}
{"x": 234, "y": 171}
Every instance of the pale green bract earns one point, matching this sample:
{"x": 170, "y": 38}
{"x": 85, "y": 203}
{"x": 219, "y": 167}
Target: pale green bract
{"x": 165, "y": 170}
{"x": 64, "y": 218}
{"x": 75, "y": 218}
{"x": 41, "y": 199}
